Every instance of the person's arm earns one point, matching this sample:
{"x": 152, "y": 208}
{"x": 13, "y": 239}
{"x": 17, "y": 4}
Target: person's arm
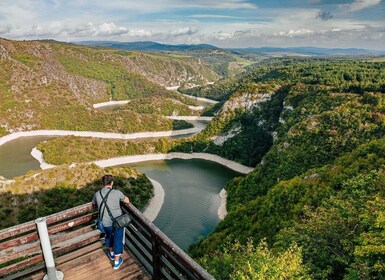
{"x": 94, "y": 202}
{"x": 126, "y": 200}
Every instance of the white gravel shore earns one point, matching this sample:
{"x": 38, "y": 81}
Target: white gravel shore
{"x": 139, "y": 158}
{"x": 105, "y": 135}
{"x": 222, "y": 210}
{"x": 175, "y": 88}
{"x": 109, "y": 103}
{"x": 152, "y": 209}
{"x": 155, "y": 204}
{"x": 190, "y": 118}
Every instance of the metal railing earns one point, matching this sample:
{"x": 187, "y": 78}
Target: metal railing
{"x": 72, "y": 229}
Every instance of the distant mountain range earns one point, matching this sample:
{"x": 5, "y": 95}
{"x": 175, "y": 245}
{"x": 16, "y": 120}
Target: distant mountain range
{"x": 312, "y": 51}
{"x": 146, "y": 46}
{"x": 149, "y": 46}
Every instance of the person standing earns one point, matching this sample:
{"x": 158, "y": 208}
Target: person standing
{"x": 114, "y": 237}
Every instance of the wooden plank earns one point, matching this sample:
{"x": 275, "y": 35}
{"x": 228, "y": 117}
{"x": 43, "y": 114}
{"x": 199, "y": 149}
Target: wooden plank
{"x": 138, "y": 226}
{"x": 27, "y": 272}
{"x": 29, "y": 226}
{"x": 168, "y": 245}
{"x": 71, "y": 223}
{"x": 146, "y": 243}
{"x": 60, "y": 260}
{"x": 56, "y": 239}
{"x": 19, "y": 241}
{"x": 62, "y": 248}
{"x": 144, "y": 253}
{"x": 20, "y": 265}
{"x": 57, "y": 228}
{"x": 78, "y": 253}
{"x": 18, "y": 229}
{"x": 75, "y": 243}
{"x": 69, "y": 213}
{"x": 16, "y": 253}
{"x": 35, "y": 248}
{"x": 97, "y": 265}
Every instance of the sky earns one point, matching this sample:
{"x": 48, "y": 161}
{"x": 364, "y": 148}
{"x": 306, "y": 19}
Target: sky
{"x": 223, "y": 23}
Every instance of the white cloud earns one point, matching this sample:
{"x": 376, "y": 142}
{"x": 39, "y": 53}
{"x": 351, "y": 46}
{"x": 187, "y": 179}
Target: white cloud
{"x": 184, "y": 31}
{"x": 214, "y": 16}
{"x": 198, "y": 21}
{"x": 110, "y": 29}
{"x": 300, "y": 32}
{"x": 362, "y": 4}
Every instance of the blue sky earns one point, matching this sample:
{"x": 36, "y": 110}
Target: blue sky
{"x": 224, "y": 23}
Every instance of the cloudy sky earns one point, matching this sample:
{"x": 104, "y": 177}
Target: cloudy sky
{"x": 224, "y": 23}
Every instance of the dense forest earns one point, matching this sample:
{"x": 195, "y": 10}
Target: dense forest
{"x": 319, "y": 184}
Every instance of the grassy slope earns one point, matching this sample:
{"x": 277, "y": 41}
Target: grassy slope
{"x": 48, "y": 85}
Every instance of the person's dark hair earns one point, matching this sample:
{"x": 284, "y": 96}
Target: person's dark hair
{"x": 107, "y": 179}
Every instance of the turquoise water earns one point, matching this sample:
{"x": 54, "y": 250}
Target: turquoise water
{"x": 15, "y": 156}
{"x": 192, "y": 187}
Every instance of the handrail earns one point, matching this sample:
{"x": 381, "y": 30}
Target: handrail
{"x": 20, "y": 246}
{"x": 21, "y": 255}
{"x": 161, "y": 256}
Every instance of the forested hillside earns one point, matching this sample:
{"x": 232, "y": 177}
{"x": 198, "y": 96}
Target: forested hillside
{"x": 314, "y": 206}
{"x": 52, "y": 85}
{"x": 319, "y": 181}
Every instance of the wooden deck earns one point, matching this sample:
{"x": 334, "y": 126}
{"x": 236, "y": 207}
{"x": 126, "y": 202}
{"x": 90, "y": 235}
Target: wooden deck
{"x": 96, "y": 265}
{"x": 78, "y": 251}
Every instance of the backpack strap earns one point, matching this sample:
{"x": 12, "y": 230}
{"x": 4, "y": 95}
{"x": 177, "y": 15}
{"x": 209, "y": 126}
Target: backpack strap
{"x": 108, "y": 208}
{"x": 104, "y": 201}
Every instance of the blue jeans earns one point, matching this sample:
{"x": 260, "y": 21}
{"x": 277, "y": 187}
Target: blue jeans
{"x": 114, "y": 239}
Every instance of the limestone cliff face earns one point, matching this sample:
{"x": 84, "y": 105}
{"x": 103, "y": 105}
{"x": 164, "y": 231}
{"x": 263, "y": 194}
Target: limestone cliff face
{"x": 246, "y": 101}
{"x": 168, "y": 71}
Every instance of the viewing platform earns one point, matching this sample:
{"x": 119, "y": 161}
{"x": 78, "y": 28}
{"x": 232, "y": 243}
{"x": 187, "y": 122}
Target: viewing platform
{"x": 79, "y": 251}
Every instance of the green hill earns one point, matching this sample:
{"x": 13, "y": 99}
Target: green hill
{"x": 52, "y": 85}
{"x": 317, "y": 141}
{"x": 313, "y": 128}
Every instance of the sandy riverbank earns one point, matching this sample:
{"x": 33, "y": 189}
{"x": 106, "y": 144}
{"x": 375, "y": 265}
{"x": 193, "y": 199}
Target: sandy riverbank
{"x": 149, "y": 157}
{"x": 110, "y": 103}
{"x": 175, "y": 88}
{"x": 190, "y": 118}
{"x": 38, "y": 155}
{"x": 196, "y": 108}
{"x": 105, "y": 135}
{"x": 140, "y": 158}
{"x": 222, "y": 210}
{"x": 156, "y": 202}
{"x": 153, "y": 208}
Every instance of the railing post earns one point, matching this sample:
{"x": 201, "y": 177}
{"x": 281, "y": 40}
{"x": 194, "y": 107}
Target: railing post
{"x": 52, "y": 273}
{"x": 156, "y": 262}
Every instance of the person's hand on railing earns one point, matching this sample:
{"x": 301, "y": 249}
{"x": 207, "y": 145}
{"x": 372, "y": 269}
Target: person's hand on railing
{"x": 126, "y": 200}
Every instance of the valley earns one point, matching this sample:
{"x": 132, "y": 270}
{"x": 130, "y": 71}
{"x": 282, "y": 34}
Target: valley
{"x": 310, "y": 129}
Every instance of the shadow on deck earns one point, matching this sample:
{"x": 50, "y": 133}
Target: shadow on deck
{"x": 92, "y": 262}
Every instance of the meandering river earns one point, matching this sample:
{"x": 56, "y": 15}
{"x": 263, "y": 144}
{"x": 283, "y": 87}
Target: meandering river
{"x": 191, "y": 202}
{"x": 190, "y": 208}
